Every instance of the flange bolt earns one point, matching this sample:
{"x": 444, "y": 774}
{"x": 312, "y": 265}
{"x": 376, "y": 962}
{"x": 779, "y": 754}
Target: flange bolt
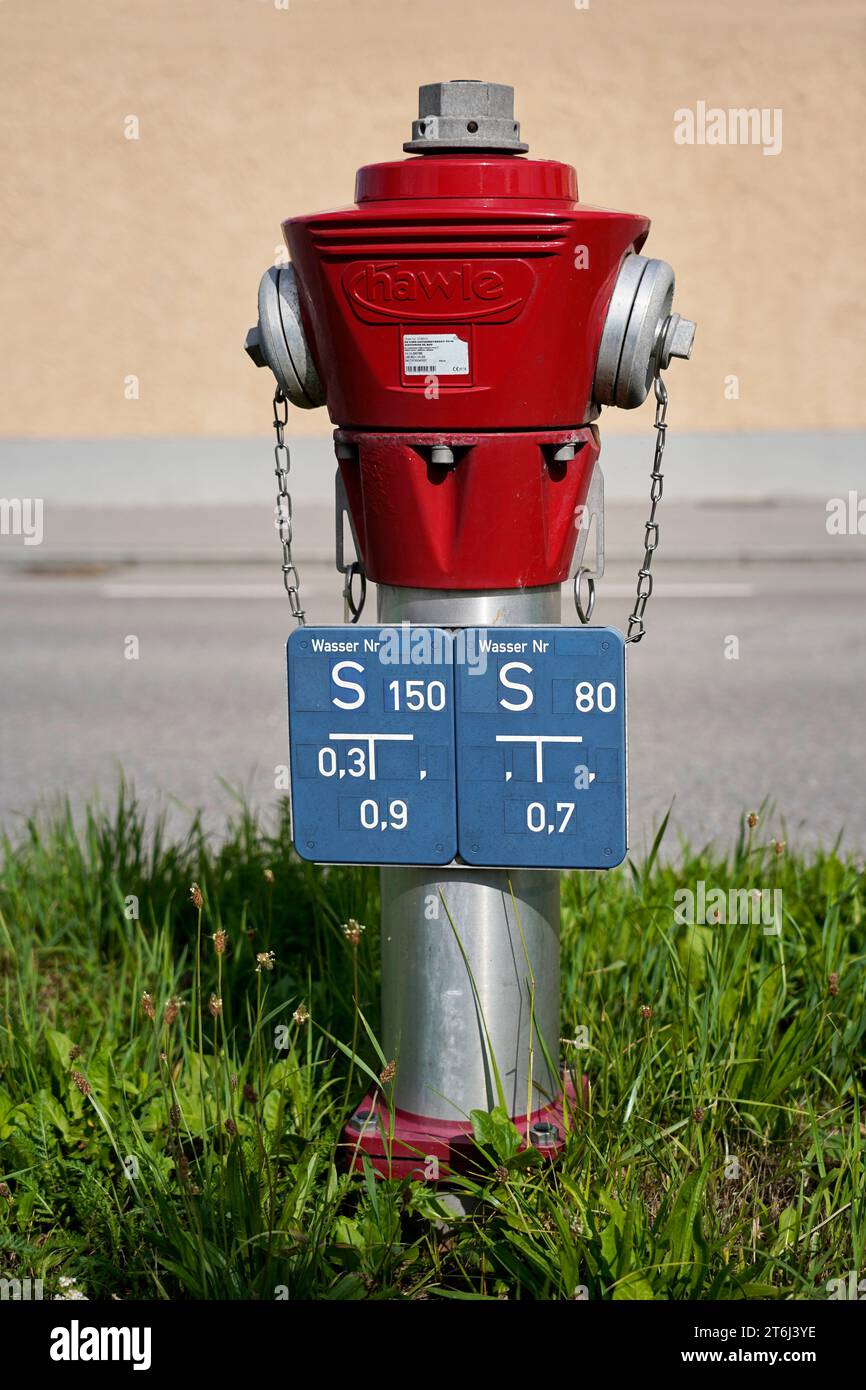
{"x": 543, "y": 1134}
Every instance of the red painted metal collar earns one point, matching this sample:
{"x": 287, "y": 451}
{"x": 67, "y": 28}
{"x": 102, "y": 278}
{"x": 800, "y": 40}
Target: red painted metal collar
{"x": 467, "y": 177}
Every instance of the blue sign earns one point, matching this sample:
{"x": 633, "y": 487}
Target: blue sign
{"x": 541, "y": 749}
{"x": 371, "y": 745}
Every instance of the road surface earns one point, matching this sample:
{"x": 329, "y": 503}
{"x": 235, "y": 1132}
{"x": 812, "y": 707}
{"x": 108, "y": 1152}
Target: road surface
{"x": 203, "y": 705}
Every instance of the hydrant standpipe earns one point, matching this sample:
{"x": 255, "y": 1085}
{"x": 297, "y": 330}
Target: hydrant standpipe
{"x": 464, "y": 322}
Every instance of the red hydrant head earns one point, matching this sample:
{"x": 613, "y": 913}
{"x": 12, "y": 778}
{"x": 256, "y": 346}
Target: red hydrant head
{"x": 464, "y": 321}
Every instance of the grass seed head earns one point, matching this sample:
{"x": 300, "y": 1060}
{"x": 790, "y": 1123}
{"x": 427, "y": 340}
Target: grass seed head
{"x": 264, "y": 961}
{"x": 219, "y": 940}
{"x": 171, "y": 1011}
{"x": 752, "y": 820}
{"x": 352, "y": 931}
{"x": 388, "y": 1073}
{"x": 82, "y": 1083}
{"x": 269, "y": 875}
{"x": 196, "y": 897}
{"x": 215, "y": 1004}
{"x": 833, "y": 984}
{"x": 301, "y": 1015}
{"x": 147, "y": 1006}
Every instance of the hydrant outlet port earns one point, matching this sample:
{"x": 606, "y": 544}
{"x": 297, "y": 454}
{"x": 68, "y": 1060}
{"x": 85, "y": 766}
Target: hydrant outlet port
{"x": 278, "y": 340}
{"x": 640, "y": 334}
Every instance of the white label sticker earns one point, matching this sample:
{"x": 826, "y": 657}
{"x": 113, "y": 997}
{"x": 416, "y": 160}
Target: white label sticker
{"x": 435, "y": 354}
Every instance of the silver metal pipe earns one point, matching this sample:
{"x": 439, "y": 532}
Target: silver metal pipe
{"x": 470, "y": 607}
{"x": 450, "y": 1007}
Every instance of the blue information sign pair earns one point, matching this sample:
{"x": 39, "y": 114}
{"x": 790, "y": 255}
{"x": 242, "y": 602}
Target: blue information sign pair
{"x": 421, "y": 745}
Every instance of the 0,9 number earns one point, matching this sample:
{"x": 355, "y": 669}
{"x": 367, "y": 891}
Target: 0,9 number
{"x": 398, "y": 813}
{"x": 415, "y": 695}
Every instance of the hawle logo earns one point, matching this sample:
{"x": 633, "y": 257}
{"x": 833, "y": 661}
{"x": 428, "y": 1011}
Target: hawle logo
{"x": 459, "y": 291}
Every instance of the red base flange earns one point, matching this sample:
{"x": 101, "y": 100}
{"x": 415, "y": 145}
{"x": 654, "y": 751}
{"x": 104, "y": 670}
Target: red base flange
{"x": 504, "y": 515}
{"x": 423, "y": 1149}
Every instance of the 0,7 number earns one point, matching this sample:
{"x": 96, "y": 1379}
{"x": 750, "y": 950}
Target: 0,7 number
{"x": 536, "y": 817}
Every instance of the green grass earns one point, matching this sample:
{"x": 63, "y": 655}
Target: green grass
{"x": 721, "y": 1155}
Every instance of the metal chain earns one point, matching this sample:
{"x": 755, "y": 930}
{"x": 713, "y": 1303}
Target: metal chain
{"x": 283, "y": 509}
{"x": 636, "y": 624}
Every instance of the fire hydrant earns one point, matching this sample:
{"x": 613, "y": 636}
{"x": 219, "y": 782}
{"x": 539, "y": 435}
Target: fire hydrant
{"x": 464, "y": 322}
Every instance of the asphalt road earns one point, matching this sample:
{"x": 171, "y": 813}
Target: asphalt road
{"x": 203, "y": 706}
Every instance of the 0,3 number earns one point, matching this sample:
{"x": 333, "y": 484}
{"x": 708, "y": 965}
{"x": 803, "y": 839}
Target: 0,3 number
{"x": 356, "y": 759}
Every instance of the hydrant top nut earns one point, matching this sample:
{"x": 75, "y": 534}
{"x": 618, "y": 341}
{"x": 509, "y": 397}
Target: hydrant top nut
{"x": 465, "y": 115}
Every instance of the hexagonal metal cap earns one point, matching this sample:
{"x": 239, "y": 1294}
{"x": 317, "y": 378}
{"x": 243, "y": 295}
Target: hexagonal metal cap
{"x": 465, "y": 115}
{"x": 253, "y": 347}
{"x": 678, "y": 338}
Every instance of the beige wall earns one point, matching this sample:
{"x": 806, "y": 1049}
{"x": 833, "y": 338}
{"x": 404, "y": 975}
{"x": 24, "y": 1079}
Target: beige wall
{"x": 142, "y": 257}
